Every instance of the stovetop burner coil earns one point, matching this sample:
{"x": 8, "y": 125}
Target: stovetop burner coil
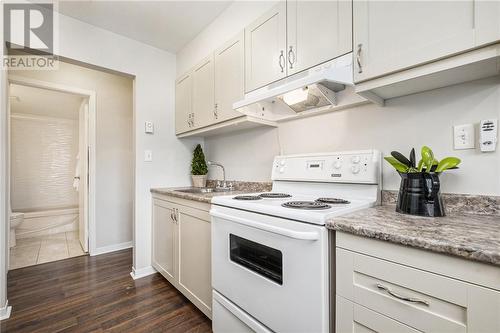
{"x": 305, "y": 205}
{"x": 247, "y": 197}
{"x": 274, "y": 195}
{"x": 333, "y": 201}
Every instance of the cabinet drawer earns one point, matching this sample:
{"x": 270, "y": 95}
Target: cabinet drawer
{"x": 422, "y": 300}
{"x": 355, "y": 318}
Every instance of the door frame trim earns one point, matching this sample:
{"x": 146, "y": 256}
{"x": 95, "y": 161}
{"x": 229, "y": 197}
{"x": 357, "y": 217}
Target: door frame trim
{"x": 91, "y": 95}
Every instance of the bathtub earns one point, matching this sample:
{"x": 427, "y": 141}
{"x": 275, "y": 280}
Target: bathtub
{"x": 49, "y": 221}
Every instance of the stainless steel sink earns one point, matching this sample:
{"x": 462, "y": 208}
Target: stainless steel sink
{"x": 204, "y": 189}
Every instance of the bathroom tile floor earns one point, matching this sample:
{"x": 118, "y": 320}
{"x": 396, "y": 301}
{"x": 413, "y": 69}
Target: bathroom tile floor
{"x": 39, "y": 250}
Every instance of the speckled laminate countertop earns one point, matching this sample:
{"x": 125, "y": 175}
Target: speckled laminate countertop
{"x": 474, "y": 237}
{"x": 240, "y": 187}
{"x": 201, "y": 197}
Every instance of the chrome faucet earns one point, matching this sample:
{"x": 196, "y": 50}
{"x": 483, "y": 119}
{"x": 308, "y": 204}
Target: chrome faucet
{"x": 224, "y": 184}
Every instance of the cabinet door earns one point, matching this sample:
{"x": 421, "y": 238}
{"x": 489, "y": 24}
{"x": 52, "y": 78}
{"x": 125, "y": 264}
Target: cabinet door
{"x": 487, "y": 22}
{"x": 183, "y": 106}
{"x": 229, "y": 77}
{"x": 194, "y": 248}
{"x": 203, "y": 93}
{"x": 395, "y": 35}
{"x": 265, "y": 53}
{"x": 317, "y": 31}
{"x": 353, "y": 318}
{"x": 164, "y": 239}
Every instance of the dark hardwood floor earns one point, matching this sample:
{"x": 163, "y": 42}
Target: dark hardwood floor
{"x": 97, "y": 294}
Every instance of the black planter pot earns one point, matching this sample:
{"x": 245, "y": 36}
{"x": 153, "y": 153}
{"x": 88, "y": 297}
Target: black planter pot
{"x": 419, "y": 194}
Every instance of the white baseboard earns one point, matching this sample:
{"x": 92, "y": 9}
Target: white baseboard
{"x": 142, "y": 272}
{"x": 111, "y": 248}
{"x": 5, "y": 311}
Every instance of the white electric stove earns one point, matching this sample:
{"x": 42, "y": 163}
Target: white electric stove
{"x": 271, "y": 251}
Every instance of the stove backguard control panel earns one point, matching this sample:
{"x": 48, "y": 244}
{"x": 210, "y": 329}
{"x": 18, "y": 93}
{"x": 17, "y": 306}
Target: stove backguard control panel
{"x": 340, "y": 167}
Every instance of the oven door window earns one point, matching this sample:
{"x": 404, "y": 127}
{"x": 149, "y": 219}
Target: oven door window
{"x": 261, "y": 259}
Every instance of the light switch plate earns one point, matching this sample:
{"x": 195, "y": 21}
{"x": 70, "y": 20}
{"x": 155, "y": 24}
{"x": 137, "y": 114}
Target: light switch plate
{"x": 488, "y": 129}
{"x": 149, "y": 127}
{"x": 148, "y": 156}
{"x": 463, "y": 137}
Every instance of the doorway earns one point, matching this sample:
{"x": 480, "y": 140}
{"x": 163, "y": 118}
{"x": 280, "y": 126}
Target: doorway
{"x": 51, "y": 129}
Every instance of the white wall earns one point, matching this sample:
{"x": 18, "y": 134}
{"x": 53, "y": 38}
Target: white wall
{"x": 412, "y": 121}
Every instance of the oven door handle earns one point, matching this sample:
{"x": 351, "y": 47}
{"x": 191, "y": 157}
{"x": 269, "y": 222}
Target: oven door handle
{"x": 302, "y": 235}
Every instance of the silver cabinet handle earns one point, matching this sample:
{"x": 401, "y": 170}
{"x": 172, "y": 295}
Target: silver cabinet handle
{"x": 401, "y": 297}
{"x": 282, "y": 57}
{"x": 216, "y": 115}
{"x": 176, "y": 213}
{"x": 172, "y": 215}
{"x": 358, "y": 58}
{"x": 291, "y": 57}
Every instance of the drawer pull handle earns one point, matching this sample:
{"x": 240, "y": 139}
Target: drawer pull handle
{"x": 404, "y": 298}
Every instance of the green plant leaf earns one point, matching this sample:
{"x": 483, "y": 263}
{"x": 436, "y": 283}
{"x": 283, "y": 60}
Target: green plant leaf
{"x": 427, "y": 157}
{"x": 447, "y": 163}
{"x": 420, "y": 165}
{"x": 396, "y": 164}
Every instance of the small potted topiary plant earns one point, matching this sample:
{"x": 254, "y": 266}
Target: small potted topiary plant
{"x": 199, "y": 168}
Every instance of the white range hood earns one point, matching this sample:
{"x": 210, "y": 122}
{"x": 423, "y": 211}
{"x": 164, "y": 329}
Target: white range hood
{"x": 311, "y": 91}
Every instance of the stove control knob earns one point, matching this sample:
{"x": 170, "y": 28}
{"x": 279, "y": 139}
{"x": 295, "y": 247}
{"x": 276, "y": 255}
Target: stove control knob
{"x": 282, "y": 162}
{"x": 355, "y": 159}
{"x": 355, "y": 169}
{"x": 282, "y": 170}
{"x": 337, "y": 164}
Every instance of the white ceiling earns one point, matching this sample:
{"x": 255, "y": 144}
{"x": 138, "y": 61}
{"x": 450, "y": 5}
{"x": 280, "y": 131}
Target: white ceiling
{"x": 168, "y": 25}
{"x": 43, "y": 102}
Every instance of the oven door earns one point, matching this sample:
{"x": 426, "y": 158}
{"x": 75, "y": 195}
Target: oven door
{"x": 274, "y": 269}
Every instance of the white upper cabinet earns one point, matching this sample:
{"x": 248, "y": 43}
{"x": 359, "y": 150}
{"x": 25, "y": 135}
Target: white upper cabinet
{"x": 265, "y": 48}
{"x": 487, "y": 22}
{"x": 203, "y": 93}
{"x": 395, "y": 35}
{"x": 317, "y": 31}
{"x": 229, "y": 77}
{"x": 183, "y": 103}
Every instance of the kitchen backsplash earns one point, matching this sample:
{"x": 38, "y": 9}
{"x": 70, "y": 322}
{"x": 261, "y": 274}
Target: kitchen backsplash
{"x": 245, "y": 186}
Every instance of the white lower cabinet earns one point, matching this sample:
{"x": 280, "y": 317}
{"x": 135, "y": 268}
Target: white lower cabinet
{"x": 181, "y": 247}
{"x": 352, "y": 317}
{"x": 391, "y": 294}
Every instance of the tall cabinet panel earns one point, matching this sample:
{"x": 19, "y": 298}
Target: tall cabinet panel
{"x": 229, "y": 77}
{"x": 194, "y": 248}
{"x": 317, "y": 31}
{"x": 203, "y": 93}
{"x": 183, "y": 105}
{"x": 394, "y": 35}
{"x": 164, "y": 239}
{"x": 265, "y": 48}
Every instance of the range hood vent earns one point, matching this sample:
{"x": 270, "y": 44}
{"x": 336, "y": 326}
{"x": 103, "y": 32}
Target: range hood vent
{"x": 309, "y": 91}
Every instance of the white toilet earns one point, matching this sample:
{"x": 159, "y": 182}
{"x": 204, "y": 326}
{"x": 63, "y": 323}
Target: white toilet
{"x": 15, "y": 220}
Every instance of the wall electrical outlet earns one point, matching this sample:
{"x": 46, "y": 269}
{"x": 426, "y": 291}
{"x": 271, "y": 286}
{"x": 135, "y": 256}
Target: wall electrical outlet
{"x": 463, "y": 137}
{"x": 148, "y": 156}
{"x": 149, "y": 127}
